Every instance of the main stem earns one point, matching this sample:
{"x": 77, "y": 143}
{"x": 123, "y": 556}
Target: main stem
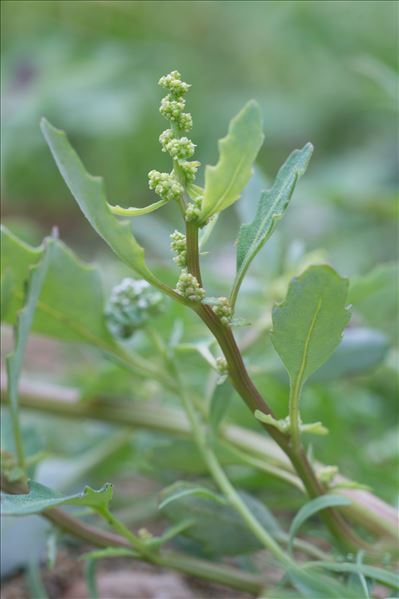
{"x": 246, "y": 389}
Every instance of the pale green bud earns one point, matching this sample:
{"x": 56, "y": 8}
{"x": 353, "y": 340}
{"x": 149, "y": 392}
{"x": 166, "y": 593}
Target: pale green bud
{"x": 188, "y": 287}
{"x": 223, "y": 310}
{"x": 165, "y": 185}
{"x": 174, "y": 84}
{"x": 171, "y": 109}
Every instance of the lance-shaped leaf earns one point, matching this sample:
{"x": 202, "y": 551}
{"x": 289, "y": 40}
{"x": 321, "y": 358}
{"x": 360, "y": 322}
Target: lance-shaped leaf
{"x": 308, "y": 325}
{"x": 89, "y": 192}
{"x": 272, "y": 205}
{"x": 70, "y": 305}
{"x": 41, "y": 498}
{"x": 15, "y": 359}
{"x": 225, "y": 181}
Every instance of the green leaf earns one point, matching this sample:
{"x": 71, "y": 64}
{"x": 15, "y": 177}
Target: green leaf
{"x": 89, "y": 192}
{"x": 311, "y": 508}
{"x": 108, "y": 552}
{"x": 272, "y": 205}
{"x": 383, "y": 576}
{"x": 41, "y": 498}
{"x": 375, "y": 297}
{"x": 308, "y": 325}
{"x": 360, "y": 350}
{"x": 90, "y": 576}
{"x": 216, "y": 526}
{"x": 238, "y": 150}
{"x": 190, "y": 491}
{"x": 61, "y": 312}
{"x": 22, "y": 329}
{"x": 219, "y": 405}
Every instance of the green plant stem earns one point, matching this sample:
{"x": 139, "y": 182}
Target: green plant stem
{"x": 293, "y": 403}
{"x": 223, "y": 482}
{"x": 219, "y": 573}
{"x": 134, "y": 541}
{"x": 247, "y": 390}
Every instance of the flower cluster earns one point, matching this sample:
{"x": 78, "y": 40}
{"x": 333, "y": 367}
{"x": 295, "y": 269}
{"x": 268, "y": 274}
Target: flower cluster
{"x": 221, "y": 366}
{"x": 188, "y": 287}
{"x": 178, "y": 245}
{"x": 172, "y": 106}
{"x": 165, "y": 185}
{"x": 223, "y": 310}
{"x": 193, "y": 209}
{"x": 132, "y": 303}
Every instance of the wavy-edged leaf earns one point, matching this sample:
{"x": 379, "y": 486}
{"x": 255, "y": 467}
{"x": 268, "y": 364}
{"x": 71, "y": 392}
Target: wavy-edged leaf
{"x": 308, "y": 325}
{"x": 272, "y": 205}
{"x": 70, "y": 305}
{"x": 225, "y": 181}
{"x": 89, "y": 192}
{"x": 41, "y": 498}
{"x": 311, "y": 508}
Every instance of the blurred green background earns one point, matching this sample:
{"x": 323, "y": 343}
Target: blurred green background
{"x": 322, "y": 72}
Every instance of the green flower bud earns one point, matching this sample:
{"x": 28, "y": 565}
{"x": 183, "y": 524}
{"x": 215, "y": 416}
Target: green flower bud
{"x": 178, "y": 245}
{"x": 189, "y": 169}
{"x": 180, "y": 149}
{"x": 171, "y": 109}
{"x": 221, "y": 366}
{"x": 193, "y": 210}
{"x": 185, "y": 121}
{"x": 131, "y": 304}
{"x": 188, "y": 287}
{"x": 223, "y": 310}
{"x": 173, "y": 83}
{"x": 165, "y": 185}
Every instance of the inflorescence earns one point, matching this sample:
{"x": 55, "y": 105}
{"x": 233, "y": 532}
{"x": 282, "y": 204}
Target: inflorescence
{"x": 170, "y": 186}
{"x": 189, "y": 288}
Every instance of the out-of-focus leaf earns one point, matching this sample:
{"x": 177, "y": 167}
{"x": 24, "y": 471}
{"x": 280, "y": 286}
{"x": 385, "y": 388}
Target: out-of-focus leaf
{"x": 70, "y": 304}
{"x": 382, "y": 576}
{"x": 108, "y": 552}
{"x": 308, "y": 325}
{"x": 23, "y": 326}
{"x": 90, "y": 576}
{"x": 191, "y": 492}
{"x": 41, "y": 498}
{"x": 360, "y": 350}
{"x": 219, "y": 405}
{"x": 89, "y": 193}
{"x": 272, "y": 205}
{"x": 216, "y": 526}
{"x": 375, "y": 296}
{"x": 225, "y": 181}
{"x": 311, "y": 508}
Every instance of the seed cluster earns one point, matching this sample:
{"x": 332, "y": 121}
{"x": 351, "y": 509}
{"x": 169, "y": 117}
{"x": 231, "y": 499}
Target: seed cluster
{"x": 223, "y": 310}
{"x": 178, "y": 245}
{"x": 188, "y": 287}
{"x": 131, "y": 304}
